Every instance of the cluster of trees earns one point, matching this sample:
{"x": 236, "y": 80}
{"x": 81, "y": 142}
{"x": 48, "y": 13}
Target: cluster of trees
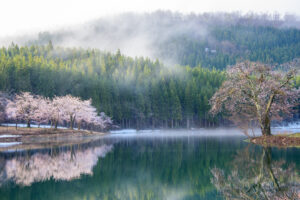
{"x": 134, "y": 92}
{"x": 29, "y": 108}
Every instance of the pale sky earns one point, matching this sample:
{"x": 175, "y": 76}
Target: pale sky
{"x": 27, "y": 16}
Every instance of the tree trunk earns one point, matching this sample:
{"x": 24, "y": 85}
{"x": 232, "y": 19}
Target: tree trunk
{"x": 28, "y": 123}
{"x": 79, "y": 124}
{"x": 266, "y": 126}
{"x": 16, "y": 126}
{"x": 71, "y": 122}
{"x": 56, "y": 122}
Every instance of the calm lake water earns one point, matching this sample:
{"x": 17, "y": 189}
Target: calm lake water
{"x": 152, "y": 166}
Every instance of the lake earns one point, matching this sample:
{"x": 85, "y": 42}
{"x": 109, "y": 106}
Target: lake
{"x": 146, "y": 165}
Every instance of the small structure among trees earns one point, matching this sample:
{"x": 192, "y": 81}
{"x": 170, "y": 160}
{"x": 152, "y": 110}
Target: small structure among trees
{"x": 25, "y": 107}
{"x": 256, "y": 93}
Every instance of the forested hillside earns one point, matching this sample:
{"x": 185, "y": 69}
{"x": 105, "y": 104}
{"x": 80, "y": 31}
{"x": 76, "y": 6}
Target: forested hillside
{"x": 212, "y": 40}
{"x": 181, "y": 63}
{"x": 134, "y": 92}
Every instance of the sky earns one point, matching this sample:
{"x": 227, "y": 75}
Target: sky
{"x": 27, "y": 16}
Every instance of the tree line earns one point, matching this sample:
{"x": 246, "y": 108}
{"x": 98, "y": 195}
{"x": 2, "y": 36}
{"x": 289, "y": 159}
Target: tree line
{"x": 232, "y": 44}
{"x": 135, "y": 92}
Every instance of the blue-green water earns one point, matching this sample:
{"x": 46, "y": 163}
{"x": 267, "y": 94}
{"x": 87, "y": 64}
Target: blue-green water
{"x": 162, "y": 167}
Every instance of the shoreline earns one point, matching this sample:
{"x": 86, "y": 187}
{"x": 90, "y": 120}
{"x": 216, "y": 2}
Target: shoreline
{"x": 280, "y": 141}
{"x": 38, "y": 138}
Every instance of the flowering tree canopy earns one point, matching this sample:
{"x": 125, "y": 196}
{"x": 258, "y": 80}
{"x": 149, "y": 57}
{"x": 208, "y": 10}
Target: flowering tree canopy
{"x": 3, "y": 103}
{"x": 255, "y": 92}
{"x": 23, "y": 107}
{"x": 34, "y": 108}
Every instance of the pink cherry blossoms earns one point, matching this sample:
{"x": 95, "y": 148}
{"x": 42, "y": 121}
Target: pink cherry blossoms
{"x": 70, "y": 110}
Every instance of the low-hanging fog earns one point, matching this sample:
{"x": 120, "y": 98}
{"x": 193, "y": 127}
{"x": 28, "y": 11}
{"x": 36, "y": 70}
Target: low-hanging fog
{"x": 147, "y": 34}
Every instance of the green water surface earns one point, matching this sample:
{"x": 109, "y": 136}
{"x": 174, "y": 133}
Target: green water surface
{"x": 143, "y": 168}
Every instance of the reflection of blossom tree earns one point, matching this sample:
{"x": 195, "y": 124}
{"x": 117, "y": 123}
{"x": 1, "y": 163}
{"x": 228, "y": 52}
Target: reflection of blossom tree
{"x": 255, "y": 176}
{"x": 40, "y": 167}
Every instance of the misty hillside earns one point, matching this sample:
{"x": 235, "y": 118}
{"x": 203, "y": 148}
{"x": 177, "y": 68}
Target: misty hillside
{"x": 135, "y": 92}
{"x": 172, "y": 87}
{"x": 209, "y": 40}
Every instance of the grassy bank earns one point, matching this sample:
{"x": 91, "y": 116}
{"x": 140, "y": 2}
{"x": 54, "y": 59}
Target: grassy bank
{"x": 41, "y": 131}
{"x": 283, "y": 141}
{"x": 37, "y": 138}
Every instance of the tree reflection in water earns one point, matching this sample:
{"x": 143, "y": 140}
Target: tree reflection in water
{"x": 255, "y": 176}
{"x": 65, "y": 165}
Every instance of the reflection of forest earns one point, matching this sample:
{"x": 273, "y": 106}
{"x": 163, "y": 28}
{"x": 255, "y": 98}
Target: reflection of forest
{"x": 144, "y": 169}
{"x": 66, "y": 165}
{"x": 255, "y": 176}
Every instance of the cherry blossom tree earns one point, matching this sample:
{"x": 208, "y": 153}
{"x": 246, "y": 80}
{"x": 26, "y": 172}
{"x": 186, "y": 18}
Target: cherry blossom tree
{"x": 105, "y": 121}
{"x": 73, "y": 109}
{"x": 255, "y": 92}
{"x": 86, "y": 113}
{"x": 11, "y": 112}
{"x": 69, "y": 110}
{"x": 3, "y": 103}
{"x": 56, "y": 111}
{"x": 23, "y": 107}
{"x": 34, "y": 108}
{"x": 102, "y": 121}
{"x": 42, "y": 113}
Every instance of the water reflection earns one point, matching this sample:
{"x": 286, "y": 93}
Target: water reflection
{"x": 66, "y": 165}
{"x": 254, "y": 175}
{"x": 137, "y": 168}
